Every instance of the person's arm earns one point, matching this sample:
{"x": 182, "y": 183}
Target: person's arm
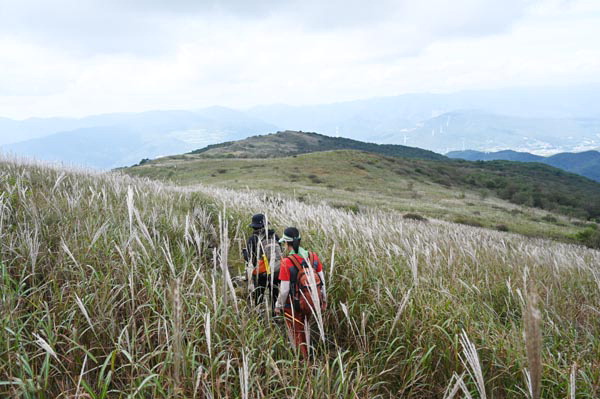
{"x": 284, "y": 290}
{"x": 284, "y": 286}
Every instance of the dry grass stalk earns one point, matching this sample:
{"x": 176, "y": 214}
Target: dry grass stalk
{"x": 223, "y": 257}
{"x": 572, "y": 383}
{"x": 401, "y": 307}
{"x": 177, "y": 336}
{"x": 459, "y": 384}
{"x": 84, "y": 311}
{"x": 244, "y": 376}
{"x": 471, "y": 362}
{"x": 533, "y": 344}
{"x": 78, "y": 395}
{"x": 45, "y": 346}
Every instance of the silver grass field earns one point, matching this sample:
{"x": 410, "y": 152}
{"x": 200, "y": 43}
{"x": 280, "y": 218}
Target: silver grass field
{"x": 116, "y": 287}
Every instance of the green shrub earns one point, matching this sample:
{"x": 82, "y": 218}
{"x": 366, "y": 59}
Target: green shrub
{"x": 589, "y": 237}
{"x": 353, "y": 208}
{"x": 415, "y": 216}
{"x": 468, "y": 221}
{"x": 315, "y": 179}
{"x": 501, "y": 227}
{"x": 550, "y": 219}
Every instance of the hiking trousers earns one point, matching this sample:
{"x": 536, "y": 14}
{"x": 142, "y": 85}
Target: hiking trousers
{"x": 298, "y": 327}
{"x": 262, "y": 282}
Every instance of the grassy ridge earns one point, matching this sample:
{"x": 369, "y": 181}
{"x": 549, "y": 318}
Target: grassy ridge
{"x": 459, "y": 191}
{"x": 533, "y": 185}
{"x": 294, "y": 143}
{"x": 110, "y": 289}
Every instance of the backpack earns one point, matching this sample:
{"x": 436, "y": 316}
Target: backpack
{"x": 300, "y": 284}
{"x": 269, "y": 255}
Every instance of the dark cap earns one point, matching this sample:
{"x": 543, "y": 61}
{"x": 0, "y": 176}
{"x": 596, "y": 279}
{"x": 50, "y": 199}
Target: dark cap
{"x": 258, "y": 221}
{"x": 290, "y": 234}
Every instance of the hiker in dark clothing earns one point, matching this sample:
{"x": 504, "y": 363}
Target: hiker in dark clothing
{"x": 263, "y": 254}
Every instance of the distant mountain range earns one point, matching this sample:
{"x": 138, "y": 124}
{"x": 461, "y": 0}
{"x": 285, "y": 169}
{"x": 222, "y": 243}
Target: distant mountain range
{"x": 538, "y": 120}
{"x": 541, "y": 120}
{"x": 583, "y": 163}
{"x": 486, "y": 132}
{"x": 113, "y": 140}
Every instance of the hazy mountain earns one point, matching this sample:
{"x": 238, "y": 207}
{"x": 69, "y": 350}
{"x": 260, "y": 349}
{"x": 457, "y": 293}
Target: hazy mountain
{"x": 382, "y": 119}
{"x": 583, "y": 163}
{"x": 539, "y": 120}
{"x": 507, "y": 155}
{"x": 111, "y": 140}
{"x": 362, "y": 120}
{"x": 487, "y": 132}
{"x": 13, "y": 131}
{"x": 98, "y": 147}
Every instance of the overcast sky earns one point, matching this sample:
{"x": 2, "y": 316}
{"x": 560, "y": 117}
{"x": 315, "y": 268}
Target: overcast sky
{"x": 80, "y": 57}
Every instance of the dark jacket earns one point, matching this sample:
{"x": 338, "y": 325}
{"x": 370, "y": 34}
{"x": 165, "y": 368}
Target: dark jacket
{"x": 253, "y": 241}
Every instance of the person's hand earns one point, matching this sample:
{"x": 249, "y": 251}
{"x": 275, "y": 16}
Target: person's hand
{"x": 278, "y": 311}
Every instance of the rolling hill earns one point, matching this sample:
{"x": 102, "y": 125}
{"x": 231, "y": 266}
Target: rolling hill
{"x": 480, "y": 193}
{"x": 293, "y": 143}
{"x": 585, "y": 163}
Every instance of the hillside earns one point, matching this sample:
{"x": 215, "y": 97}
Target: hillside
{"x": 583, "y": 163}
{"x": 120, "y": 287}
{"x": 293, "y": 143}
{"x": 525, "y": 184}
{"x": 474, "y": 193}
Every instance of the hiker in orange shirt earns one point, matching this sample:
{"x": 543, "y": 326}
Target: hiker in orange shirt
{"x": 302, "y": 290}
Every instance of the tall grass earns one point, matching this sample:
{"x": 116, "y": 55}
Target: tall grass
{"x": 119, "y": 287}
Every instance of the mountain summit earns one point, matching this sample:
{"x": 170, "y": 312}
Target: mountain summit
{"x": 289, "y": 143}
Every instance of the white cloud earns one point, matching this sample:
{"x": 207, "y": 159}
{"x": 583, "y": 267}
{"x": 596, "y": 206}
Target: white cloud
{"x": 76, "y": 58}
